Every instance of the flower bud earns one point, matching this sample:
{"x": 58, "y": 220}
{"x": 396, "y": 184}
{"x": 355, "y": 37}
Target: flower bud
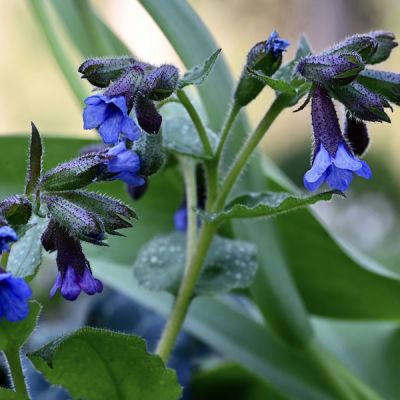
{"x": 147, "y": 115}
{"x": 109, "y": 210}
{"x": 137, "y": 192}
{"x": 265, "y": 57}
{"x": 356, "y": 134}
{"x": 16, "y": 209}
{"x": 161, "y": 83}
{"x": 331, "y": 70}
{"x": 151, "y": 153}
{"x": 76, "y": 173}
{"x": 76, "y": 220}
{"x": 386, "y": 43}
{"x": 361, "y": 102}
{"x": 364, "y": 45}
{"x": 101, "y": 72}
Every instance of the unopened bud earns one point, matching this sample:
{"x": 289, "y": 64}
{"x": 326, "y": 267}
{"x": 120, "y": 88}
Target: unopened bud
{"x": 356, "y": 133}
{"x": 386, "y": 43}
{"x": 16, "y": 209}
{"x": 151, "y": 153}
{"x": 161, "y": 83}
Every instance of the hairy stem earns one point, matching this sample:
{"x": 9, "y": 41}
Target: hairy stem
{"x": 185, "y": 293}
{"x": 69, "y": 70}
{"x": 196, "y": 121}
{"x": 15, "y": 366}
{"x": 230, "y": 119}
{"x": 247, "y": 150}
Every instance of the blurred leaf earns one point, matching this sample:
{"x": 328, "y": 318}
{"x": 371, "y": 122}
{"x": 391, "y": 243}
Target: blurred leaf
{"x": 35, "y": 161}
{"x": 14, "y": 334}
{"x": 180, "y": 136}
{"x": 26, "y": 254}
{"x": 199, "y": 73}
{"x": 231, "y": 381}
{"x": 98, "y": 364}
{"x": 304, "y": 47}
{"x": 265, "y": 204}
{"x": 230, "y": 264}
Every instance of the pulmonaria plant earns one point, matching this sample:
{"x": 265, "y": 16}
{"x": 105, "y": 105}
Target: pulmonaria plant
{"x": 340, "y": 73}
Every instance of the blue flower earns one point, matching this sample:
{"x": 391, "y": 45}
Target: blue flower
{"x": 276, "y": 44}
{"x": 71, "y": 282}
{"x": 333, "y": 161}
{"x": 14, "y": 296}
{"x": 124, "y": 165}
{"x": 336, "y": 171}
{"x": 7, "y": 235}
{"x": 181, "y": 218}
{"x": 110, "y": 116}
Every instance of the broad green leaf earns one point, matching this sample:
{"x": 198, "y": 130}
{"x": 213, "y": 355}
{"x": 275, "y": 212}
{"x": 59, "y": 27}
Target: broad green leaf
{"x": 277, "y": 84}
{"x": 180, "y": 136}
{"x": 26, "y": 254}
{"x": 231, "y": 381}
{"x": 7, "y": 394}
{"x": 199, "y": 73}
{"x": 233, "y": 333}
{"x": 325, "y": 268}
{"x": 97, "y": 364}
{"x": 14, "y": 334}
{"x": 265, "y": 204}
{"x": 35, "y": 161}
{"x": 230, "y": 264}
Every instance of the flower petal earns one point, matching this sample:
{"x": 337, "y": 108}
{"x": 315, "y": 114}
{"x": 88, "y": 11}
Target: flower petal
{"x": 88, "y": 283}
{"x": 130, "y": 129}
{"x": 320, "y": 164}
{"x": 345, "y": 160}
{"x": 94, "y": 115}
{"x": 311, "y": 186}
{"x": 111, "y": 128}
{"x": 70, "y": 288}
{"x": 57, "y": 284}
{"x": 364, "y": 171}
{"x": 338, "y": 178}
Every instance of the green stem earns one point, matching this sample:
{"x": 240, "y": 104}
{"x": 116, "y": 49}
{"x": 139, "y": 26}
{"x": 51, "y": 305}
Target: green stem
{"x": 14, "y": 363}
{"x": 230, "y": 119}
{"x": 162, "y": 103}
{"x": 185, "y": 293}
{"x": 69, "y": 70}
{"x": 196, "y": 121}
{"x": 332, "y": 375}
{"x": 4, "y": 260}
{"x": 276, "y": 108}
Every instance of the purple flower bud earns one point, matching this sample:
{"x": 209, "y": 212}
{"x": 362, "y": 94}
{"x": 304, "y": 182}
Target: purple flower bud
{"x": 123, "y": 164}
{"x": 364, "y": 45}
{"x": 137, "y": 192}
{"x": 110, "y": 116}
{"x": 7, "y": 236}
{"x": 101, "y": 72}
{"x": 386, "y": 43}
{"x": 276, "y": 44}
{"x": 147, "y": 115}
{"x": 161, "y": 83}
{"x": 331, "y": 70}
{"x": 333, "y": 161}
{"x": 361, "y": 102}
{"x": 74, "y": 273}
{"x": 356, "y": 134}
{"x": 14, "y": 296}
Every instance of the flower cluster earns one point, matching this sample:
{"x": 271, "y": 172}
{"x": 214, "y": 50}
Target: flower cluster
{"x": 340, "y": 73}
{"x": 129, "y": 85}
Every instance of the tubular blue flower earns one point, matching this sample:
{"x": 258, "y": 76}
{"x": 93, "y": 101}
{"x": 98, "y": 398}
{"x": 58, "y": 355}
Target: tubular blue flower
{"x": 110, "y": 116}
{"x": 276, "y": 44}
{"x": 7, "y": 236}
{"x": 333, "y": 161}
{"x": 74, "y": 273}
{"x": 124, "y": 165}
{"x": 14, "y": 296}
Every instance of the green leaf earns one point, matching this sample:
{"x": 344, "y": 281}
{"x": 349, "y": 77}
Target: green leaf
{"x": 7, "y": 394}
{"x": 385, "y": 83}
{"x": 35, "y": 161}
{"x": 198, "y": 74}
{"x": 98, "y": 364}
{"x": 14, "y": 334}
{"x": 304, "y": 48}
{"x": 231, "y": 381}
{"x": 26, "y": 254}
{"x": 180, "y": 136}
{"x": 230, "y": 264}
{"x": 265, "y": 204}
{"x": 277, "y": 84}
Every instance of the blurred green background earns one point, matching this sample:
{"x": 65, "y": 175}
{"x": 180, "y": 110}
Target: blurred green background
{"x": 33, "y": 88}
